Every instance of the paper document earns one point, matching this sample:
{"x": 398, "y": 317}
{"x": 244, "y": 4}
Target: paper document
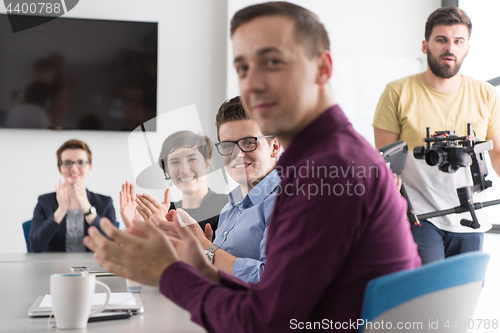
{"x": 98, "y": 299}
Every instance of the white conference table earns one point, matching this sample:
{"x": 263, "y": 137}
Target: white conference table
{"x": 24, "y": 277}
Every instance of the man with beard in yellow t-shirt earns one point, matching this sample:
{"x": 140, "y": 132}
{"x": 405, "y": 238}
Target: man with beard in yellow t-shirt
{"x": 442, "y": 99}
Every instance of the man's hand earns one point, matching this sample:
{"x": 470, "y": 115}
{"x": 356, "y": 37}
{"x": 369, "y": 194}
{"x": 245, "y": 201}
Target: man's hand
{"x": 148, "y": 206}
{"x": 128, "y": 206}
{"x": 189, "y": 248}
{"x": 222, "y": 260}
{"x": 165, "y": 225}
{"x": 186, "y": 220}
{"x": 140, "y": 254}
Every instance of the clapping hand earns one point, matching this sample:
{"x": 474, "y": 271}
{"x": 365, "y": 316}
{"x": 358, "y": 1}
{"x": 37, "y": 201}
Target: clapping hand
{"x": 128, "y": 206}
{"x": 183, "y": 236}
{"x": 81, "y": 196}
{"x": 187, "y": 221}
{"x": 83, "y": 200}
{"x": 148, "y": 206}
{"x": 62, "y": 202}
{"x": 186, "y": 244}
{"x": 62, "y": 196}
{"x": 140, "y": 254}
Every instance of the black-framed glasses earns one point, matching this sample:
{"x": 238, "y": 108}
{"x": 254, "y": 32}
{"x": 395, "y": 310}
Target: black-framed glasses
{"x": 67, "y": 164}
{"x": 249, "y": 144}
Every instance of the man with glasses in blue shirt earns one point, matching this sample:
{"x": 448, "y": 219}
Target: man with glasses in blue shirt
{"x": 249, "y": 157}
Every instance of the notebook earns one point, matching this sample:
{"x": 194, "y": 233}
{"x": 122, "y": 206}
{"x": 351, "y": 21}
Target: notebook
{"x": 118, "y": 302}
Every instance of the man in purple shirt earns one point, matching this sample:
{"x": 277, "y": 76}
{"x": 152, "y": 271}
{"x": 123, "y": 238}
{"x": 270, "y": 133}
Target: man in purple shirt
{"x": 338, "y": 221}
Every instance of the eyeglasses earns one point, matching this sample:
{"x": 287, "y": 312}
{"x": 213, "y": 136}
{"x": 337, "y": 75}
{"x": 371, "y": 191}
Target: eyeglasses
{"x": 225, "y": 148}
{"x": 67, "y": 164}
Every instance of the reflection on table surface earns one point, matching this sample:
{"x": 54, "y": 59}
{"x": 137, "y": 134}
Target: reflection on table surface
{"x": 24, "y": 277}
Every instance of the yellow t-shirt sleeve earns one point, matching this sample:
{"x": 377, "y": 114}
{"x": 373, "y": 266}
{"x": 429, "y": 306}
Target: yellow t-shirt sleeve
{"x": 387, "y": 115}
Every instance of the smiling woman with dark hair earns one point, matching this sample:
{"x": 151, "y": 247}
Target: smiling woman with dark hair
{"x": 61, "y": 219}
{"x": 185, "y": 159}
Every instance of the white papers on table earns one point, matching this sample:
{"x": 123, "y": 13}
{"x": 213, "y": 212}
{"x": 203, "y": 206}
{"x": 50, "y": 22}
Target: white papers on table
{"x": 98, "y": 299}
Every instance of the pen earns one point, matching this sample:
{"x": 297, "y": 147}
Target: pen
{"x": 110, "y": 316}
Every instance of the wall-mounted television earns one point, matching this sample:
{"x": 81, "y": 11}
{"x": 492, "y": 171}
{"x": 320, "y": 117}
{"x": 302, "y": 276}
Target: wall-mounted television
{"x": 78, "y": 74}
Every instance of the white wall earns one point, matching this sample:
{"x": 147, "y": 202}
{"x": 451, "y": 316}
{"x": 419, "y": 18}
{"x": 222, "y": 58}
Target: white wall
{"x": 484, "y": 16}
{"x": 373, "y": 42}
{"x": 479, "y": 65}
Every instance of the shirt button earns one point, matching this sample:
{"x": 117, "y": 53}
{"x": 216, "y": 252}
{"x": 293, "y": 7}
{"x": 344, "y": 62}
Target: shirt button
{"x": 225, "y": 233}
{"x": 241, "y": 208}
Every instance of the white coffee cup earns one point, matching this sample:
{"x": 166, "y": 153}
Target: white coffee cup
{"x": 72, "y": 299}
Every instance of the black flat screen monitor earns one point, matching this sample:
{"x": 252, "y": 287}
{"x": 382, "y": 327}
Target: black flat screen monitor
{"x": 78, "y": 74}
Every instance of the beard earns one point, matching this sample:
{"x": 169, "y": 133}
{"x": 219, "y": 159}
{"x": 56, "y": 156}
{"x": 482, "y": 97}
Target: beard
{"x": 444, "y": 71}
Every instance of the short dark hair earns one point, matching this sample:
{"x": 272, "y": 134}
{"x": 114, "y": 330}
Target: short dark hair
{"x": 309, "y": 31}
{"x": 184, "y": 139}
{"x": 73, "y": 144}
{"x": 450, "y": 15}
{"x": 230, "y": 110}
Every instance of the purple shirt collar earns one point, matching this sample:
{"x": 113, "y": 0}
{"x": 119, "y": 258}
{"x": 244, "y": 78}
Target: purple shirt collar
{"x": 332, "y": 117}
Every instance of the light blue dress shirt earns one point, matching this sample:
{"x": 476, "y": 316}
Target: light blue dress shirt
{"x": 243, "y": 223}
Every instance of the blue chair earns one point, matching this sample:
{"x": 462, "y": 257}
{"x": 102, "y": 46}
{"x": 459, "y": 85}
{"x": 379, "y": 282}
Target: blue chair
{"x": 26, "y": 230}
{"x": 441, "y": 296}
